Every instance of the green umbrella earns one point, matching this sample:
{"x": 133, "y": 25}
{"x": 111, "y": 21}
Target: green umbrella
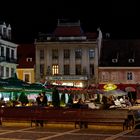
{"x": 34, "y": 88}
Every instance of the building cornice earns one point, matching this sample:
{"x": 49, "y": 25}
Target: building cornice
{"x": 117, "y": 68}
{"x": 8, "y": 43}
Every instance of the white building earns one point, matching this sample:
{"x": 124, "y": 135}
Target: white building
{"x": 8, "y": 52}
{"x": 68, "y": 56}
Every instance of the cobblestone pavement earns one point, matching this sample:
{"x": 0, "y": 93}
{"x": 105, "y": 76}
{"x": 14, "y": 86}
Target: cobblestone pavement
{"x": 18, "y": 131}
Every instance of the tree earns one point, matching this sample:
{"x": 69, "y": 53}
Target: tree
{"x": 23, "y": 99}
{"x": 63, "y": 99}
{"x": 55, "y": 98}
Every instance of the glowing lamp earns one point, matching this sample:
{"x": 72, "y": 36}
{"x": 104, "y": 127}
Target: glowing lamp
{"x": 110, "y": 86}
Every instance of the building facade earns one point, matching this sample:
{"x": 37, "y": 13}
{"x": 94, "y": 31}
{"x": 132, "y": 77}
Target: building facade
{"x": 67, "y": 57}
{"x": 8, "y": 52}
{"x": 119, "y": 64}
{"x": 26, "y": 62}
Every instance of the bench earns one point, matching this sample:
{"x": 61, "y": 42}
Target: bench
{"x": 38, "y": 114}
{"x": 56, "y": 115}
{"x": 134, "y": 118}
{"x": 81, "y": 117}
{"x": 16, "y": 114}
{"x": 106, "y": 117}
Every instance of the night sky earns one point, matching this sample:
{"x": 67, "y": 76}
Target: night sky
{"x": 27, "y": 18}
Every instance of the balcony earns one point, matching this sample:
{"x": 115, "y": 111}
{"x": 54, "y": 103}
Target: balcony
{"x": 7, "y": 59}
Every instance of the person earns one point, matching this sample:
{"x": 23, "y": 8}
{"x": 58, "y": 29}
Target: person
{"x": 38, "y": 99}
{"x": 105, "y": 102}
{"x": 127, "y": 101}
{"x": 78, "y": 104}
{"x": 39, "y": 103}
{"x": 44, "y": 99}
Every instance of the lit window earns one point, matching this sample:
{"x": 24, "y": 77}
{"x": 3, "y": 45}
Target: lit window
{"x": 55, "y": 69}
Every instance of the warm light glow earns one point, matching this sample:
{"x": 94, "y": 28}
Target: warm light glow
{"x": 55, "y": 69}
{"x": 110, "y": 86}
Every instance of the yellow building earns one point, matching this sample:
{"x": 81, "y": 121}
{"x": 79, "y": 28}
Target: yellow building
{"x": 26, "y": 62}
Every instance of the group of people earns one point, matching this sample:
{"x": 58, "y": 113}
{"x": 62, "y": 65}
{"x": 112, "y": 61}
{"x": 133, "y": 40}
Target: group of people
{"x": 42, "y": 99}
{"x": 112, "y": 101}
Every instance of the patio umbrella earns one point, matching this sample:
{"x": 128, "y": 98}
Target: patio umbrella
{"x": 115, "y": 93}
{"x": 34, "y": 88}
{"x": 130, "y": 89}
{"x": 14, "y": 84}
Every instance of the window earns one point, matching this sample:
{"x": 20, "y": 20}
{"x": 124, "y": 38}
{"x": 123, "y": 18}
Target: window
{"x": 29, "y": 59}
{"x": 114, "y": 76}
{"x": 131, "y": 60}
{"x": 54, "y": 54}
{"x": 2, "y": 71}
{"x": 41, "y": 69}
{"x": 78, "y": 53}
{"x": 48, "y": 70}
{"x": 91, "y": 69}
{"x": 4, "y": 32}
{"x": 67, "y": 53}
{"x": 66, "y": 69}
{"x": 9, "y": 34}
{"x": 129, "y": 76}
{"x": 2, "y": 51}
{"x": 12, "y": 72}
{"x": 114, "y": 60}
{"x": 91, "y": 53}
{"x": 105, "y": 77}
{"x": 7, "y": 72}
{"x": 78, "y": 69}
{"x": 55, "y": 69}
{"x": 27, "y": 78}
{"x": 7, "y": 54}
{"x": 12, "y": 54}
{"x": 41, "y": 54}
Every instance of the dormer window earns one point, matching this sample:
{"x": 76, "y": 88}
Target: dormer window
{"x": 29, "y": 59}
{"x": 131, "y": 60}
{"x": 115, "y": 60}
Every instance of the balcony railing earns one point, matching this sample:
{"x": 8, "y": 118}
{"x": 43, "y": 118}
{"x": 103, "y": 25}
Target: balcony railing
{"x": 7, "y": 59}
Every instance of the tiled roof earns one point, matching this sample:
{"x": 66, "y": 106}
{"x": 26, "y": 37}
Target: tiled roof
{"x": 91, "y": 35}
{"x": 68, "y": 31}
{"x": 25, "y": 51}
{"x": 125, "y": 52}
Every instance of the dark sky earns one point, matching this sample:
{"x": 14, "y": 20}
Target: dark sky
{"x": 27, "y": 18}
